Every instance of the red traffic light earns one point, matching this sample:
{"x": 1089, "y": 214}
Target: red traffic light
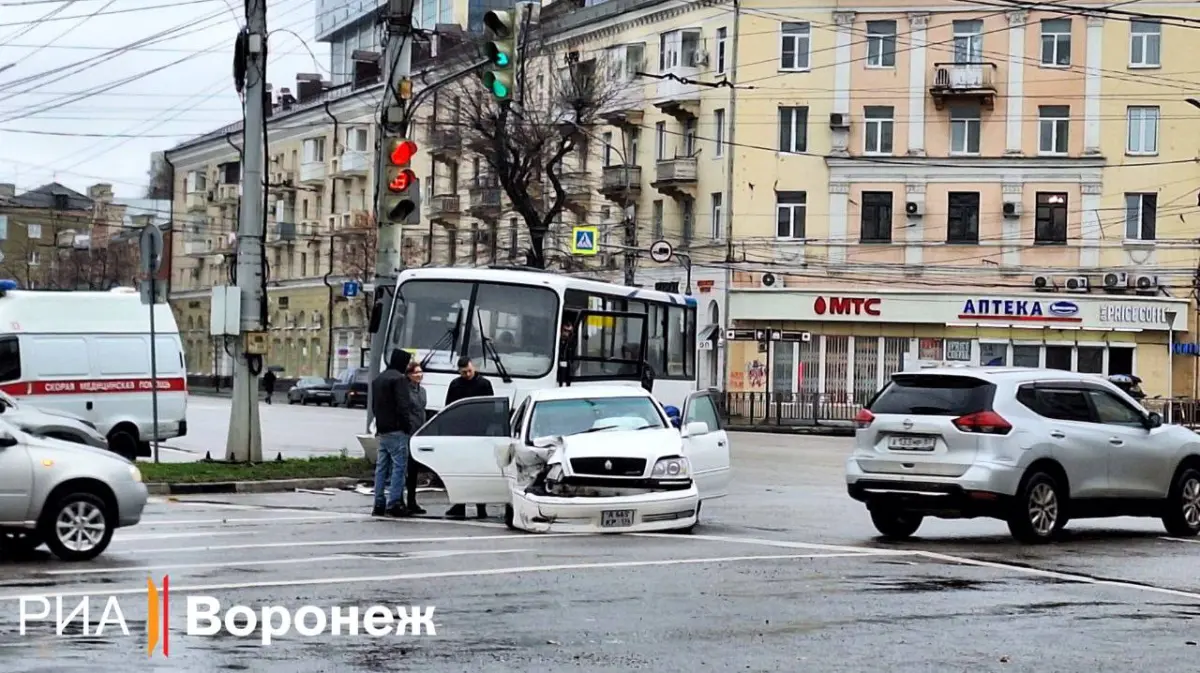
{"x": 403, "y": 152}
{"x": 402, "y": 181}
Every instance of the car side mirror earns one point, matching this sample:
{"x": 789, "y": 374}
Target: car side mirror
{"x": 695, "y": 428}
{"x": 1153, "y": 420}
{"x": 7, "y": 440}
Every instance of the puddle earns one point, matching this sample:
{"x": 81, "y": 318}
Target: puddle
{"x": 926, "y": 584}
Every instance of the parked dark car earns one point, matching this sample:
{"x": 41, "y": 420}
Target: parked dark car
{"x": 314, "y": 389}
{"x": 350, "y": 390}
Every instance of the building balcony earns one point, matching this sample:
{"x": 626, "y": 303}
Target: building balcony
{"x": 622, "y": 184}
{"x": 312, "y": 173}
{"x": 282, "y": 233}
{"x": 681, "y": 101}
{"x": 444, "y": 208}
{"x": 965, "y": 82}
{"x": 624, "y": 108}
{"x": 354, "y": 223}
{"x": 281, "y": 183}
{"x": 196, "y": 202}
{"x": 577, "y": 185}
{"x": 445, "y": 143}
{"x": 229, "y": 195}
{"x": 195, "y": 245}
{"x": 309, "y": 230}
{"x": 352, "y": 163}
{"x": 676, "y": 177}
{"x": 484, "y": 200}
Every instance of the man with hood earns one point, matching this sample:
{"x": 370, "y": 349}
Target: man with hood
{"x": 392, "y": 401}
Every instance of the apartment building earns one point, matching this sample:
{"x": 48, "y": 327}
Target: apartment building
{"x": 1003, "y": 188}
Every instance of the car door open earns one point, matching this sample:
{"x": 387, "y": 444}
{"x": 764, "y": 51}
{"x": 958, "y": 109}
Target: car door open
{"x": 707, "y": 448}
{"x": 460, "y": 443}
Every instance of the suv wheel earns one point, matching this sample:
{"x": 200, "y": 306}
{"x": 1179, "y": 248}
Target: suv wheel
{"x": 896, "y": 525}
{"x": 1039, "y": 509}
{"x": 77, "y": 527}
{"x": 1182, "y": 517}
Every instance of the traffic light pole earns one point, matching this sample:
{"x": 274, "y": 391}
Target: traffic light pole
{"x": 244, "y": 442}
{"x": 393, "y": 123}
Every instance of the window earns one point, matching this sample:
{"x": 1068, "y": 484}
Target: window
{"x": 1059, "y": 357}
{"x": 793, "y": 129}
{"x": 61, "y": 202}
{"x": 933, "y": 395}
{"x": 962, "y": 220}
{"x": 34, "y": 231}
{"x": 1050, "y": 220}
{"x": 794, "y": 41}
{"x": 660, "y": 141}
{"x": 230, "y": 173}
{"x": 356, "y": 140}
{"x": 35, "y": 258}
{"x": 1053, "y": 125}
{"x": 790, "y": 208}
{"x": 719, "y": 135}
{"x": 484, "y": 417}
{"x": 1140, "y": 213}
{"x": 689, "y": 138}
{"x": 701, "y": 409}
{"x": 881, "y": 44}
{"x": 993, "y": 354}
{"x": 968, "y": 41}
{"x": 1061, "y": 405}
{"x": 608, "y": 138}
{"x": 1110, "y": 410}
{"x": 876, "y": 217}
{"x": 314, "y": 150}
{"x": 1145, "y": 44}
{"x": 1027, "y": 356}
{"x": 716, "y": 214}
{"x": 964, "y": 129}
{"x": 10, "y": 359}
{"x": 1143, "y": 130}
{"x": 1056, "y": 42}
{"x": 1090, "y": 360}
{"x": 958, "y": 350}
{"x": 722, "y": 36}
{"x": 687, "y": 218}
{"x": 657, "y": 219}
{"x": 878, "y": 136}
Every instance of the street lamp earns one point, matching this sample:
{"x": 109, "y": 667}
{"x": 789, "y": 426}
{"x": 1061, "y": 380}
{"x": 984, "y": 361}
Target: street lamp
{"x": 1170, "y": 315}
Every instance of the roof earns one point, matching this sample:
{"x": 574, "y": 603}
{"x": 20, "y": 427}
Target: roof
{"x": 82, "y": 312}
{"x": 43, "y": 198}
{"x": 546, "y": 279}
{"x": 588, "y": 390}
{"x": 160, "y": 209}
{"x": 1005, "y": 373}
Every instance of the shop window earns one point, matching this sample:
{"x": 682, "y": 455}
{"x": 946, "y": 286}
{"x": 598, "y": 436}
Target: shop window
{"x": 993, "y": 355}
{"x": 1058, "y": 357}
{"x": 958, "y": 350}
{"x": 930, "y": 349}
{"x": 836, "y": 351}
{"x": 894, "y": 349}
{"x": 782, "y": 366}
{"x": 1027, "y": 356}
{"x": 866, "y": 368}
{"x": 1091, "y": 360}
{"x": 1120, "y": 361}
{"x": 809, "y": 372}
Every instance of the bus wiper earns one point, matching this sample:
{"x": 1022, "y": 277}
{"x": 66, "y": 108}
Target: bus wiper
{"x": 489, "y": 347}
{"x": 446, "y": 339}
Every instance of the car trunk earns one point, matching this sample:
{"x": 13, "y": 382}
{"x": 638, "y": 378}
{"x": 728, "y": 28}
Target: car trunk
{"x": 913, "y": 431}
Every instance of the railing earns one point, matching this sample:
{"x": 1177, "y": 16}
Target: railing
{"x": 284, "y": 231}
{"x": 971, "y": 76}
{"x": 679, "y": 169}
{"x": 617, "y": 178}
{"x": 353, "y": 162}
{"x": 790, "y": 409}
{"x": 312, "y": 171}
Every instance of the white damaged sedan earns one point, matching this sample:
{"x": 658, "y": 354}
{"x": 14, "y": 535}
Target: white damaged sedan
{"x": 582, "y": 459}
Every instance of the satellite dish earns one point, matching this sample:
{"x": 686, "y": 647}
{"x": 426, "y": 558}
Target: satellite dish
{"x": 661, "y": 251}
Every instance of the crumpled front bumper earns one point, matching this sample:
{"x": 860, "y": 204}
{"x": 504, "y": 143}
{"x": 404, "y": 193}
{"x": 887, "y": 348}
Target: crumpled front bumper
{"x": 659, "y": 511}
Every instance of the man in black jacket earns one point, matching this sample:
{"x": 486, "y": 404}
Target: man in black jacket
{"x": 392, "y": 400}
{"x": 468, "y": 384}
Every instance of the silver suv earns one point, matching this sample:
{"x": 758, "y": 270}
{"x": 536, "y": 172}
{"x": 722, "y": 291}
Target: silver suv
{"x": 1033, "y": 447}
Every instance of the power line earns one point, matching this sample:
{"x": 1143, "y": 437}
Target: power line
{"x": 146, "y": 8}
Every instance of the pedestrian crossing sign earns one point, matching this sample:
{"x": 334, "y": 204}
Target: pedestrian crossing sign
{"x": 583, "y": 241}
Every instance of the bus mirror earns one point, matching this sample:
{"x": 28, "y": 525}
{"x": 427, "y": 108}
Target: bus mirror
{"x": 376, "y": 317}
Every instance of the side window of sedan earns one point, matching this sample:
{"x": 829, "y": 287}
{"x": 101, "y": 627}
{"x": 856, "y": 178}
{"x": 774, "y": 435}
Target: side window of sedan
{"x": 518, "y": 419}
{"x": 1061, "y": 405}
{"x": 1112, "y": 411}
{"x": 485, "y": 417}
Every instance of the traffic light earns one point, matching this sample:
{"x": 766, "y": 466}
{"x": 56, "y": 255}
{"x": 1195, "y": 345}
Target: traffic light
{"x": 502, "y": 29}
{"x": 402, "y": 193}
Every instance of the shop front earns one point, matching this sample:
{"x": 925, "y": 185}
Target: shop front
{"x": 840, "y": 347}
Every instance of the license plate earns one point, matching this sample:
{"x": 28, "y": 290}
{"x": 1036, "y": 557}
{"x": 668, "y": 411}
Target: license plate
{"x": 912, "y": 443}
{"x": 616, "y": 518}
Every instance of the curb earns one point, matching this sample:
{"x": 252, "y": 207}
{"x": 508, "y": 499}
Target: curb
{"x": 819, "y": 430}
{"x": 269, "y": 486}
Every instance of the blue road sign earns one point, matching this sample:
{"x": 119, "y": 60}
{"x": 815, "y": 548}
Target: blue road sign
{"x": 584, "y": 240}
{"x": 350, "y": 288}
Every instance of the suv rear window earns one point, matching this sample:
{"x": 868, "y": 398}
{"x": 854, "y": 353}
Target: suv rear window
{"x": 933, "y": 395}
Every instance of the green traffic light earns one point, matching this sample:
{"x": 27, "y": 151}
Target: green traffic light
{"x": 502, "y": 59}
{"x": 499, "y": 89}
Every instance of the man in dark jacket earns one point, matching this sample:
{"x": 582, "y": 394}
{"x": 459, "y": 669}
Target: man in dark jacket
{"x": 268, "y": 381}
{"x": 468, "y": 384}
{"x": 392, "y": 398}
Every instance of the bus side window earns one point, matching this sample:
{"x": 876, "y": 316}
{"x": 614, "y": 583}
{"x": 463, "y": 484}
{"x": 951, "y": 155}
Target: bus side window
{"x": 655, "y": 353}
{"x": 10, "y": 359}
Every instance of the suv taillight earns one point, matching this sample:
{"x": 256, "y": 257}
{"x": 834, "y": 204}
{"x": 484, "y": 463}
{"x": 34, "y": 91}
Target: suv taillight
{"x": 984, "y": 423}
{"x": 863, "y": 419}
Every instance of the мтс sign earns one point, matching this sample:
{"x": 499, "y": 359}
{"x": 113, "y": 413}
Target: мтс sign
{"x": 847, "y": 306}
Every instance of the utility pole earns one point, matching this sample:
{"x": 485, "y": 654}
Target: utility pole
{"x": 393, "y": 123}
{"x": 245, "y": 433}
{"x": 630, "y": 213}
{"x": 729, "y": 184}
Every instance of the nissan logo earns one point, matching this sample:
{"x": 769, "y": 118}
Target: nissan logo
{"x": 908, "y": 424}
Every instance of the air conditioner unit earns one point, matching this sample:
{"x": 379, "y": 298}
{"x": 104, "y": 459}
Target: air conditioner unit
{"x": 700, "y": 58}
{"x": 1076, "y": 283}
{"x": 1043, "y": 283}
{"x": 839, "y": 120}
{"x": 1012, "y": 209}
{"x": 768, "y": 280}
{"x": 914, "y": 208}
{"x": 1116, "y": 281}
{"x": 1145, "y": 284}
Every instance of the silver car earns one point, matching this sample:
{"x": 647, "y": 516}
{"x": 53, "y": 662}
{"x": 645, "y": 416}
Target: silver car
{"x": 68, "y": 496}
{"x": 1033, "y": 447}
{"x": 53, "y": 424}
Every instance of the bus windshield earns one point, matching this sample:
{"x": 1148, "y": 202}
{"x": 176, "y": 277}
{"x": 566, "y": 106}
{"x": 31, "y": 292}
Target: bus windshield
{"x": 504, "y": 329}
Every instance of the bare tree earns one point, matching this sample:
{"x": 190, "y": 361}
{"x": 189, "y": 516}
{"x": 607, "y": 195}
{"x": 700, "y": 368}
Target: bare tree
{"x": 81, "y": 268}
{"x": 161, "y": 178}
{"x": 356, "y": 256}
{"x": 526, "y": 143}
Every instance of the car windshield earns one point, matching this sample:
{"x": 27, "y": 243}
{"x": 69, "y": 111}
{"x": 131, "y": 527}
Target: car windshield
{"x": 569, "y": 417}
{"x": 312, "y": 381}
{"x": 933, "y": 395}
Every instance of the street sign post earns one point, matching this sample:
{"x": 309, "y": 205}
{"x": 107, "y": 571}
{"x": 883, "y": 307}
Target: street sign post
{"x": 151, "y": 260}
{"x": 661, "y": 251}
{"x": 585, "y": 240}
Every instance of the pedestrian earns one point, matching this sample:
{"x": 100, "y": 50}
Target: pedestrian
{"x": 392, "y": 397}
{"x": 468, "y": 384}
{"x": 417, "y": 415}
{"x": 269, "y": 383}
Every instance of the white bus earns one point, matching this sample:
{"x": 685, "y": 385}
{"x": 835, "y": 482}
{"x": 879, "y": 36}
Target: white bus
{"x": 527, "y": 329}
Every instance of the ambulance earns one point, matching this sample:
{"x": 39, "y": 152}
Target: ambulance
{"x": 88, "y": 354}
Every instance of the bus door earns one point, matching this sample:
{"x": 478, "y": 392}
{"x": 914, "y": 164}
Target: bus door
{"x": 604, "y": 346}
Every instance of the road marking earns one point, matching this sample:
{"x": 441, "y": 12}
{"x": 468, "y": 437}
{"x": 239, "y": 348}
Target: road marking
{"x": 344, "y": 543}
{"x": 251, "y": 520}
{"x": 416, "y": 555}
{"x": 782, "y": 544}
{"x": 1180, "y": 539}
{"x": 481, "y": 572}
{"x": 352, "y": 515}
{"x": 177, "y": 536}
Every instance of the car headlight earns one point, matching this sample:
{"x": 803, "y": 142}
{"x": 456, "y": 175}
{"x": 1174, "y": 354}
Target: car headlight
{"x": 671, "y": 468}
{"x": 135, "y": 473}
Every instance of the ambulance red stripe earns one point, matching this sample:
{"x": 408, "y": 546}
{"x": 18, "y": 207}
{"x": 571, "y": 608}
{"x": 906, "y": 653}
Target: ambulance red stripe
{"x": 94, "y": 386}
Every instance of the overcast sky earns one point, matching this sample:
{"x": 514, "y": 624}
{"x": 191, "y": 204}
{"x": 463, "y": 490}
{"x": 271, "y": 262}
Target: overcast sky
{"x": 153, "y": 110}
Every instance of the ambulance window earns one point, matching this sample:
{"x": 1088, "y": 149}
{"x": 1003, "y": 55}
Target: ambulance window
{"x": 10, "y": 359}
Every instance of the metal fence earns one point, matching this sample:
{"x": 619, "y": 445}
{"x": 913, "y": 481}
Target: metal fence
{"x": 789, "y": 409}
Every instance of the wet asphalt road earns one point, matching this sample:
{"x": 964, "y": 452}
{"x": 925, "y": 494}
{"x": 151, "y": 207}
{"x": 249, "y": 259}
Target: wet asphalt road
{"x": 785, "y": 575}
